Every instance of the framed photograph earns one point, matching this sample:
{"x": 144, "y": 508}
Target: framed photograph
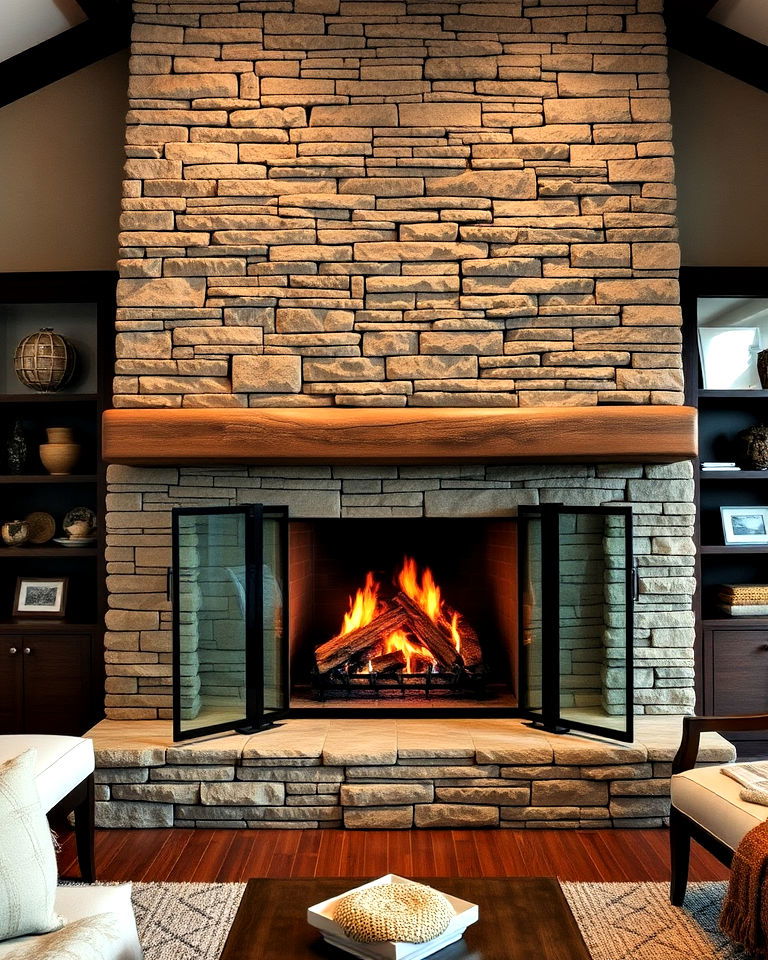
{"x": 729, "y": 357}
{"x": 40, "y": 598}
{"x": 745, "y": 524}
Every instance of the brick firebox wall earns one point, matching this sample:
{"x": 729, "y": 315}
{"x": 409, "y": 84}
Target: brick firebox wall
{"x": 391, "y": 203}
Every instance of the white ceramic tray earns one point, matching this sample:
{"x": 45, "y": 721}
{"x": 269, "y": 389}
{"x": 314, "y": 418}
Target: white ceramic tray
{"x": 321, "y": 916}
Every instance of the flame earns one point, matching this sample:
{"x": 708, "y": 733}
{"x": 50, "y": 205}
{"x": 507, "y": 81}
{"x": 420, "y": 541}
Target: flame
{"x": 455, "y": 633}
{"x": 363, "y": 608}
{"x": 398, "y": 640}
{"x": 426, "y": 593}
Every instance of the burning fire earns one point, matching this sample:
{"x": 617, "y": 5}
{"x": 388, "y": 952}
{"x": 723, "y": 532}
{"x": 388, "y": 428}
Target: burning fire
{"x": 363, "y": 608}
{"x": 423, "y": 591}
{"x": 413, "y": 652}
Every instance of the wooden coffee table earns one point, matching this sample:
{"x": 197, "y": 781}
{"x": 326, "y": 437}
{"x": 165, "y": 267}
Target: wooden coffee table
{"x": 520, "y": 919}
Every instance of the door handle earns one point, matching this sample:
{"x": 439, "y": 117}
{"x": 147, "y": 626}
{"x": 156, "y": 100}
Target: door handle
{"x": 27, "y": 651}
{"x": 13, "y": 651}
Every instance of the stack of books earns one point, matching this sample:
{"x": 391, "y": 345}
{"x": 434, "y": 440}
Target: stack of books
{"x": 743, "y": 599}
{"x": 709, "y": 465}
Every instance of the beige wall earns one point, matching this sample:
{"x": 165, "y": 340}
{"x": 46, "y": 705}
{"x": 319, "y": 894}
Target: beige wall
{"x": 720, "y": 131}
{"x": 61, "y": 158}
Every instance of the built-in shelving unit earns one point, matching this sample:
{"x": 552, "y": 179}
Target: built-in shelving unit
{"x": 66, "y": 653}
{"x": 731, "y": 652}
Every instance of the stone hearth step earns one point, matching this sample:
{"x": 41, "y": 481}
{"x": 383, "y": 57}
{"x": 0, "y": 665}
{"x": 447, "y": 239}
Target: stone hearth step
{"x": 387, "y": 773}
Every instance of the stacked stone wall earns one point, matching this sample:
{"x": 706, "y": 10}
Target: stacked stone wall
{"x": 429, "y": 202}
{"x": 410, "y": 202}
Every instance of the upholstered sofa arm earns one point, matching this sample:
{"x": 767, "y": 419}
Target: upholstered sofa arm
{"x": 693, "y": 727}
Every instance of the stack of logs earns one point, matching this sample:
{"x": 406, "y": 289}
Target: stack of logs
{"x": 402, "y": 613}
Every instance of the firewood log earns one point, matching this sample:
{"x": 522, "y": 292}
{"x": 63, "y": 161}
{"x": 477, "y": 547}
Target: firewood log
{"x": 388, "y": 662}
{"x": 429, "y": 635}
{"x": 471, "y": 651}
{"x": 339, "y": 649}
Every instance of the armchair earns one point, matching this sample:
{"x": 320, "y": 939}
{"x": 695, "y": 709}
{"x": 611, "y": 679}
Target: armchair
{"x": 706, "y": 805}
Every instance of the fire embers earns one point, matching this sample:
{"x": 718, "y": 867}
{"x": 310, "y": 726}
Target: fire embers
{"x": 406, "y": 630}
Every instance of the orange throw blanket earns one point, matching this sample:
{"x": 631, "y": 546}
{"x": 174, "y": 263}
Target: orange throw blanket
{"x": 744, "y": 917}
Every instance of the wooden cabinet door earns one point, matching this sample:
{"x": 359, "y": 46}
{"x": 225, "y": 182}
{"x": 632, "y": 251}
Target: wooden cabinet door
{"x": 739, "y": 671}
{"x": 11, "y": 686}
{"x": 57, "y": 684}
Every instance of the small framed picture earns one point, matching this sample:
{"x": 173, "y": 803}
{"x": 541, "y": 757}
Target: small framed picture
{"x": 40, "y": 598}
{"x": 745, "y": 524}
{"x": 729, "y": 357}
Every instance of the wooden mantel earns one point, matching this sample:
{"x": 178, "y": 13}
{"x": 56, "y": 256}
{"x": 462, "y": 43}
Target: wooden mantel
{"x": 261, "y": 435}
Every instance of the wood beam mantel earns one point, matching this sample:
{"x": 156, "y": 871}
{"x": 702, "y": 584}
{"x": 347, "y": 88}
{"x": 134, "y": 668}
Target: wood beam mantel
{"x": 260, "y": 435}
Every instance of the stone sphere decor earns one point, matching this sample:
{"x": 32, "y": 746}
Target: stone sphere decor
{"x": 45, "y": 361}
{"x": 403, "y": 912}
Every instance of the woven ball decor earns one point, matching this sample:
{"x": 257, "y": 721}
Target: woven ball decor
{"x": 45, "y": 361}
{"x": 403, "y": 912}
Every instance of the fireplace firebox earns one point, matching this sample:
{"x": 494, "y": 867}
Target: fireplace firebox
{"x": 527, "y": 615}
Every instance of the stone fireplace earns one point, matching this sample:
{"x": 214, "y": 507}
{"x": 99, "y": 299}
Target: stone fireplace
{"x": 335, "y": 207}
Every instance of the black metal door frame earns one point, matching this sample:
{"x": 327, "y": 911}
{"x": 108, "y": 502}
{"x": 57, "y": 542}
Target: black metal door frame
{"x": 255, "y": 717}
{"x": 549, "y": 716}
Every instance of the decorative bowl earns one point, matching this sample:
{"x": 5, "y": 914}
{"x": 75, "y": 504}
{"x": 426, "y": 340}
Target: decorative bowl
{"x": 321, "y": 917}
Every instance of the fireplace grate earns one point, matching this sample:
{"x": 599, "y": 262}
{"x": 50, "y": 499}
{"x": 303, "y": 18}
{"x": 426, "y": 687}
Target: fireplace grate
{"x": 342, "y": 684}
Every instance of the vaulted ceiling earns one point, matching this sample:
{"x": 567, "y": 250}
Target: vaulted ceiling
{"x": 25, "y": 23}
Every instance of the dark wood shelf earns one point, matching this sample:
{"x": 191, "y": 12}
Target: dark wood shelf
{"x": 735, "y": 548}
{"x": 47, "y": 478}
{"x": 45, "y": 626}
{"x": 21, "y": 553}
{"x": 723, "y": 621}
{"x": 733, "y": 394}
{"x": 734, "y": 474}
{"x": 48, "y": 398}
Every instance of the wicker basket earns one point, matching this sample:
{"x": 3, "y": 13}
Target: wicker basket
{"x": 45, "y": 361}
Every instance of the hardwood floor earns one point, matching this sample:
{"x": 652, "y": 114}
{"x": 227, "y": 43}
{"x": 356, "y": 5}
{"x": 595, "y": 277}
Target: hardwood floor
{"x": 235, "y": 855}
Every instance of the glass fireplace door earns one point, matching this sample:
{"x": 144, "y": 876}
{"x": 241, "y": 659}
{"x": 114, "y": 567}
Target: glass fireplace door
{"x": 229, "y": 619}
{"x": 576, "y": 618}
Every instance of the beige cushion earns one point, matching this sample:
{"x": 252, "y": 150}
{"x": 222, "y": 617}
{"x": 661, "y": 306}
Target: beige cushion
{"x": 27, "y": 857}
{"x": 712, "y": 800}
{"x": 62, "y": 762}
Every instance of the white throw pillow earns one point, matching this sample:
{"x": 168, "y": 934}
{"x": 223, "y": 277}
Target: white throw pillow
{"x": 28, "y": 869}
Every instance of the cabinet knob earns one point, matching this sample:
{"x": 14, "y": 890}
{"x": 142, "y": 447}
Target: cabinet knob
{"x": 764, "y": 646}
{"x": 27, "y": 650}
{"x": 13, "y": 651}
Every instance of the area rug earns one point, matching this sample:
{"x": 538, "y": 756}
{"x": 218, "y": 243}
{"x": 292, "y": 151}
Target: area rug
{"x": 620, "y": 921}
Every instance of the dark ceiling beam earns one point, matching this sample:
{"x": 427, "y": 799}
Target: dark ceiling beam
{"x": 95, "y": 9}
{"x": 691, "y": 32}
{"x": 78, "y": 47}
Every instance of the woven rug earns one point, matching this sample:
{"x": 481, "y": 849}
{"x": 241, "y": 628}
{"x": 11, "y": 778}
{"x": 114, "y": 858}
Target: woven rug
{"x": 620, "y": 921}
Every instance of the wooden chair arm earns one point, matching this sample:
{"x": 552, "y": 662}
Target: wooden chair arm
{"x": 693, "y": 727}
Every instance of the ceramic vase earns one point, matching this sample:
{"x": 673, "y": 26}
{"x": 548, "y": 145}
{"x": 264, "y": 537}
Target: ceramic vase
{"x": 17, "y": 450}
{"x": 61, "y": 453}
